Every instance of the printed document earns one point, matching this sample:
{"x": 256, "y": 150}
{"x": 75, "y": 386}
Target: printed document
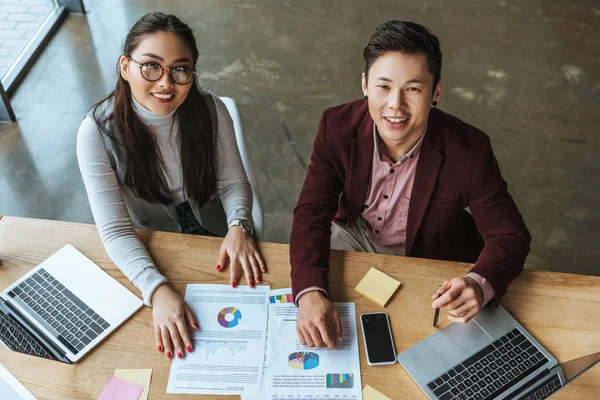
{"x": 276, "y": 296}
{"x": 296, "y": 372}
{"x": 229, "y": 348}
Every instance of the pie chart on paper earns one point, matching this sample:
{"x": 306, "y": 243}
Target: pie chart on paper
{"x": 229, "y": 317}
{"x": 303, "y": 360}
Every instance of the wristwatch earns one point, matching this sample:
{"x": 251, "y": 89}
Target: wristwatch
{"x": 245, "y": 225}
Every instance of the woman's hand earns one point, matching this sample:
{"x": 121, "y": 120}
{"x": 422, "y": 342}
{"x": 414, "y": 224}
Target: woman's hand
{"x": 170, "y": 313}
{"x": 240, "y": 249}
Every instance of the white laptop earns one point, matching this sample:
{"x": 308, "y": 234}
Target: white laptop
{"x": 63, "y": 308}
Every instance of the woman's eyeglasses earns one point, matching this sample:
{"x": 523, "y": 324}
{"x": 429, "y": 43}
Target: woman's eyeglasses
{"x": 152, "y": 72}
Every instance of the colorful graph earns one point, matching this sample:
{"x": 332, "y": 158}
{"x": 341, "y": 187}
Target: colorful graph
{"x": 229, "y": 317}
{"x": 281, "y": 298}
{"x": 212, "y": 346}
{"x": 340, "y": 381}
{"x": 303, "y": 360}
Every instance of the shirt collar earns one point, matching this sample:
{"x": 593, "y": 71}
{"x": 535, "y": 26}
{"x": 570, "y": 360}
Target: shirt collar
{"x": 411, "y": 153}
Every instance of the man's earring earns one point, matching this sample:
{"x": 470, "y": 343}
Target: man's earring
{"x": 434, "y": 103}
{"x": 366, "y": 97}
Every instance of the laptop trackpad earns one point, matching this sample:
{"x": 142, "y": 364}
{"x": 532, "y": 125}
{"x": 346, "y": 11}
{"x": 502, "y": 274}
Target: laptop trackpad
{"x": 459, "y": 341}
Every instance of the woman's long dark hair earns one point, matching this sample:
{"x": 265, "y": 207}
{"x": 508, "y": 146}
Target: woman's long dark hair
{"x": 145, "y": 172}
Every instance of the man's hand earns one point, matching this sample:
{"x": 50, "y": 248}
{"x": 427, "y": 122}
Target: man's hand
{"x": 315, "y": 315}
{"x": 462, "y": 298}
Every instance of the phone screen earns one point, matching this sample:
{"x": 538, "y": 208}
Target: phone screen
{"x": 378, "y": 340}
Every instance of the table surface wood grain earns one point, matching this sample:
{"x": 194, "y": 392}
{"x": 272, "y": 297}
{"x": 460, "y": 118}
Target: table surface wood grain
{"x": 560, "y": 310}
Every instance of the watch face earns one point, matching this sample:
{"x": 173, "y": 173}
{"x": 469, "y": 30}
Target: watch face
{"x": 247, "y": 226}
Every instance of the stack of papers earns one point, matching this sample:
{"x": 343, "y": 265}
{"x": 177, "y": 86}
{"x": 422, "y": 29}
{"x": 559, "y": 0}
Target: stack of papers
{"x": 235, "y": 354}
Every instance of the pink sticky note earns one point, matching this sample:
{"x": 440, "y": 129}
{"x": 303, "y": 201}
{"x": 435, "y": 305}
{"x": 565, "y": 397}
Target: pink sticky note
{"x": 119, "y": 389}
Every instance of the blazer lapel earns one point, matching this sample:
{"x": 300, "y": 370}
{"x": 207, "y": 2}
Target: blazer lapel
{"x": 361, "y": 164}
{"x": 428, "y": 167}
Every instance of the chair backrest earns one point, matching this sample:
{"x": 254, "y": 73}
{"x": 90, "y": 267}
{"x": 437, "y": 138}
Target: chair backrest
{"x": 257, "y": 207}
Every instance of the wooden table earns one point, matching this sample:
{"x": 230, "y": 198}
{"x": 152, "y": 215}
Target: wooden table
{"x": 560, "y": 310}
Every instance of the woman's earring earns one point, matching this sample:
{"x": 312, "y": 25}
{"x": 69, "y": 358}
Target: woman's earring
{"x": 434, "y": 103}
{"x": 366, "y": 97}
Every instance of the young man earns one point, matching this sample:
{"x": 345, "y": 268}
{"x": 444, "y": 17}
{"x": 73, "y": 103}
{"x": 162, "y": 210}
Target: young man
{"x": 392, "y": 174}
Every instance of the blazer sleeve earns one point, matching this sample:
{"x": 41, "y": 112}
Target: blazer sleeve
{"x": 311, "y": 229}
{"x": 497, "y": 218}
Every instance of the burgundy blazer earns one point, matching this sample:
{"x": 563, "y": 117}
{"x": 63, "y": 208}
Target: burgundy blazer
{"x": 456, "y": 169}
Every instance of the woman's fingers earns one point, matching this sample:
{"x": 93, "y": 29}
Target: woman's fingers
{"x": 158, "y": 338}
{"x": 258, "y": 257}
{"x": 234, "y": 271}
{"x": 166, "y": 339}
{"x": 185, "y": 335}
{"x": 222, "y": 258}
{"x": 176, "y": 339}
{"x": 190, "y": 317}
{"x": 255, "y": 268}
{"x": 247, "y": 271}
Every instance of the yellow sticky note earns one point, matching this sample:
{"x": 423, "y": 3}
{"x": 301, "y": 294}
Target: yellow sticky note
{"x": 377, "y": 286}
{"x": 371, "y": 394}
{"x": 139, "y": 376}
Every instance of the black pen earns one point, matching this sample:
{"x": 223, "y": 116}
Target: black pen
{"x": 437, "y": 313}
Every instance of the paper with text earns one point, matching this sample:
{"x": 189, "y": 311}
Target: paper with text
{"x": 276, "y": 296}
{"x": 297, "y": 372}
{"x": 229, "y": 348}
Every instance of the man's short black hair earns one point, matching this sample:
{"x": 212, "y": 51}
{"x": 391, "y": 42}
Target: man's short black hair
{"x": 408, "y": 38}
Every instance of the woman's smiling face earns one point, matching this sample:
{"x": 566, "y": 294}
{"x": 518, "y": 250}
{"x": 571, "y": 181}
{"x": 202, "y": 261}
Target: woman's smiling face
{"x": 161, "y": 49}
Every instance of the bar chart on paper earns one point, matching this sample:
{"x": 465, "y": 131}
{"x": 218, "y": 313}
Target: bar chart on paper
{"x": 340, "y": 381}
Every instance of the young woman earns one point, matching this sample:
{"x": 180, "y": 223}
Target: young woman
{"x": 159, "y": 153}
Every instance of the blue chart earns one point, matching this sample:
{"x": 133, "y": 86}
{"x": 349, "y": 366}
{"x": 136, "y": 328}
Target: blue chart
{"x": 212, "y": 346}
{"x": 303, "y": 360}
{"x": 229, "y": 317}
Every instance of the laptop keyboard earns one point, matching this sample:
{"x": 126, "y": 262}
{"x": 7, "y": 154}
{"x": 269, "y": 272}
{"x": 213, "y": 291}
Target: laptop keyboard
{"x": 16, "y": 338}
{"x": 76, "y": 323}
{"x": 491, "y": 371}
{"x": 545, "y": 390}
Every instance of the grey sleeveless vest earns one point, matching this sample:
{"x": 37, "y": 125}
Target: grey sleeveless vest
{"x": 146, "y": 215}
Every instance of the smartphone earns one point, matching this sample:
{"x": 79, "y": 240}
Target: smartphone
{"x": 377, "y": 336}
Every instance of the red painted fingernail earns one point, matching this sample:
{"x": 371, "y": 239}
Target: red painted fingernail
{"x": 258, "y": 279}
{"x": 169, "y": 355}
{"x": 160, "y": 348}
{"x": 196, "y": 325}
{"x": 233, "y": 284}
{"x": 251, "y": 284}
{"x": 179, "y": 355}
{"x": 264, "y": 270}
{"x": 189, "y": 349}
{"x": 219, "y": 267}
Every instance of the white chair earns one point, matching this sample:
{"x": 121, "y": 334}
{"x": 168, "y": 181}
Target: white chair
{"x": 257, "y": 207}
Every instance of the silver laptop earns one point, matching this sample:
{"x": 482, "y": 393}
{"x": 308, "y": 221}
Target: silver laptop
{"x": 490, "y": 357}
{"x": 63, "y": 308}
{"x": 549, "y": 382}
